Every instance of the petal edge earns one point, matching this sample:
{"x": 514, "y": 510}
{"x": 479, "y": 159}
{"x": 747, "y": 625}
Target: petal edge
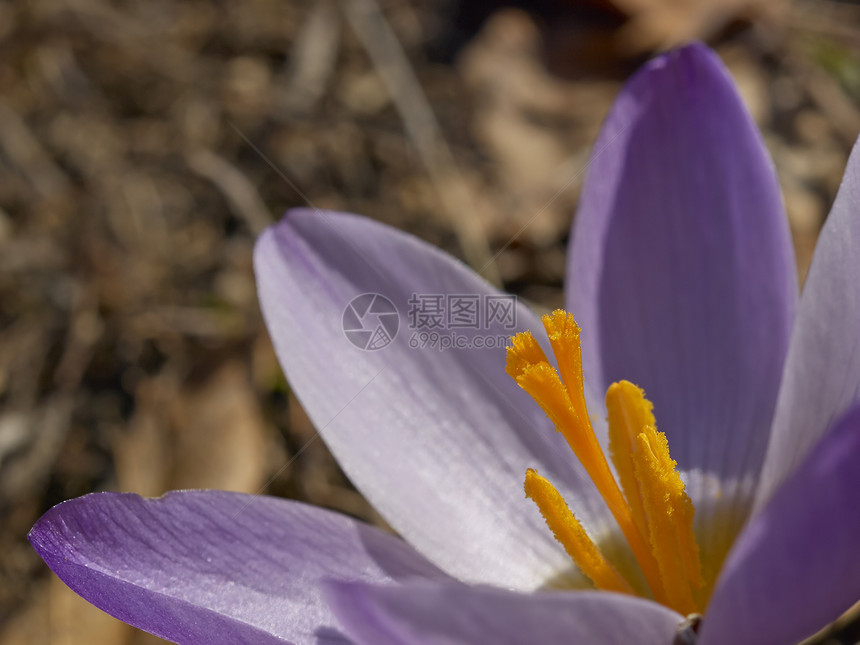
{"x": 456, "y": 614}
{"x": 822, "y": 372}
{"x": 795, "y": 568}
{"x": 194, "y": 566}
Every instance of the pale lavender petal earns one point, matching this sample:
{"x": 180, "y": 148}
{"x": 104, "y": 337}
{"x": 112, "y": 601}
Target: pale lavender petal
{"x": 458, "y": 614}
{"x": 215, "y": 567}
{"x": 682, "y": 273}
{"x": 437, "y": 439}
{"x": 795, "y": 568}
{"x": 822, "y": 373}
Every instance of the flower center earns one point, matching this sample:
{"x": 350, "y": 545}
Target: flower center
{"x": 651, "y": 505}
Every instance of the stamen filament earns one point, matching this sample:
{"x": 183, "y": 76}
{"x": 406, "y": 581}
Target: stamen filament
{"x": 569, "y": 532}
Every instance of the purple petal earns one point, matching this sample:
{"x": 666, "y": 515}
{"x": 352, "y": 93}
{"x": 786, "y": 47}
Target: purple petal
{"x": 681, "y": 272}
{"x": 437, "y": 440}
{"x": 211, "y": 566}
{"x": 795, "y": 568}
{"x": 822, "y": 373}
{"x": 455, "y": 613}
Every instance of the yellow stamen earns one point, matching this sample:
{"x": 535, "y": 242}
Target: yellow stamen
{"x": 653, "y": 511}
{"x": 629, "y": 412}
{"x": 528, "y": 365}
{"x": 569, "y": 532}
{"x": 670, "y": 519}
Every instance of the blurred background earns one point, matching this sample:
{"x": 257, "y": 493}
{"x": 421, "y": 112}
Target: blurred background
{"x": 143, "y": 145}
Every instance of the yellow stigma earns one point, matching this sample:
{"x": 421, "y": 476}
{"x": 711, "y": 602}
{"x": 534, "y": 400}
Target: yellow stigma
{"x": 651, "y": 506}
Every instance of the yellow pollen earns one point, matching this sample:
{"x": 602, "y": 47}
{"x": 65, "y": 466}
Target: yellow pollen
{"x": 629, "y": 412}
{"x": 653, "y": 512}
{"x": 563, "y": 335}
{"x": 670, "y": 519}
{"x": 567, "y": 530}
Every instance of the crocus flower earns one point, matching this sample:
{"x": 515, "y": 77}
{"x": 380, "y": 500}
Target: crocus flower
{"x": 682, "y": 280}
